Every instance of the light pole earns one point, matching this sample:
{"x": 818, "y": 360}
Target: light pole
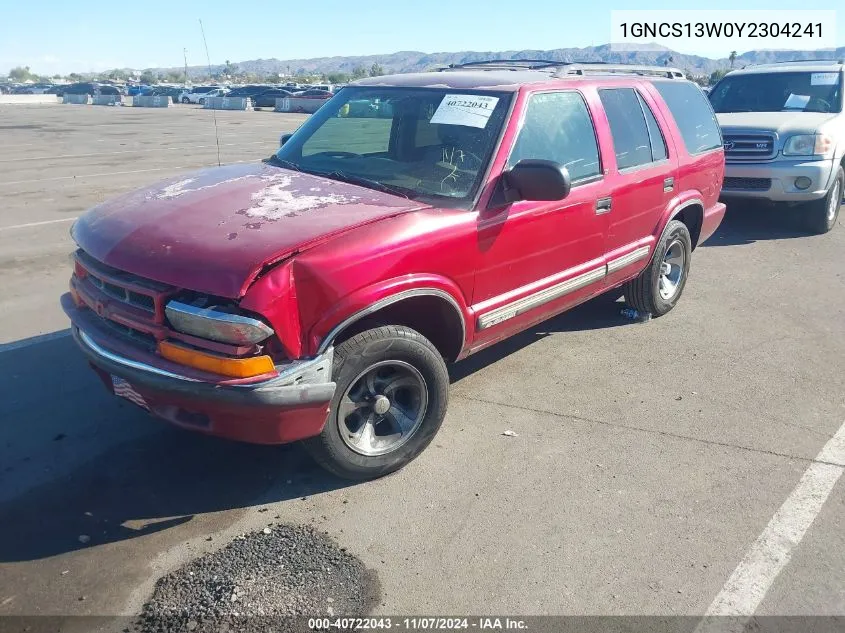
{"x": 185, "y": 53}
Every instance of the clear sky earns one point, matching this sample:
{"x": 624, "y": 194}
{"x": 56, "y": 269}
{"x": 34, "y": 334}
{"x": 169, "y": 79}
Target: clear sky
{"x": 61, "y": 36}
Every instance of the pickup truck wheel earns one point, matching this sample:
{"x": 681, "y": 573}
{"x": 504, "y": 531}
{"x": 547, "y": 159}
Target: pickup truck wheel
{"x": 822, "y": 214}
{"x": 392, "y": 391}
{"x": 657, "y": 289}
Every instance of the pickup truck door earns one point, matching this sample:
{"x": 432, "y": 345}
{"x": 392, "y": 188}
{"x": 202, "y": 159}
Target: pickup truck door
{"x": 537, "y": 258}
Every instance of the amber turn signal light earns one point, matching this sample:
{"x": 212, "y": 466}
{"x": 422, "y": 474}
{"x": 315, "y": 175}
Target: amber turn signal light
{"x": 222, "y": 365}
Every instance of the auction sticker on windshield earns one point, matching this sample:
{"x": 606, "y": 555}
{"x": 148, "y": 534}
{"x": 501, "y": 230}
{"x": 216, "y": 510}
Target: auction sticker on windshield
{"x": 824, "y": 79}
{"x": 469, "y": 110}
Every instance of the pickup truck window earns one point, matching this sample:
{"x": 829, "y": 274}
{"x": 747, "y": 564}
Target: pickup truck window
{"x": 693, "y": 115}
{"x": 627, "y": 127}
{"x": 429, "y": 144}
{"x": 779, "y": 92}
{"x": 558, "y": 127}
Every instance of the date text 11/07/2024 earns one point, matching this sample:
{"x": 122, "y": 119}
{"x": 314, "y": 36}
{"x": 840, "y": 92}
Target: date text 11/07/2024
{"x": 417, "y": 624}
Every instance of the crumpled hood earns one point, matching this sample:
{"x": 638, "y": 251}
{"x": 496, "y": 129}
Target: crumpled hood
{"x": 214, "y": 230}
{"x": 783, "y": 123}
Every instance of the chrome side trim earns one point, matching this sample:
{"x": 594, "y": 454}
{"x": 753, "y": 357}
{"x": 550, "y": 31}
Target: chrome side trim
{"x": 515, "y": 308}
{"x": 383, "y": 303}
{"x": 634, "y": 256}
{"x": 129, "y": 362}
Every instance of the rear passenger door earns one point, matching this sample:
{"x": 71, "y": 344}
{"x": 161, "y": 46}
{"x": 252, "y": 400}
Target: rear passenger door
{"x": 642, "y": 182}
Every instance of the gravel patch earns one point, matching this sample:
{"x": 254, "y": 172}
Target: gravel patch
{"x": 261, "y": 580}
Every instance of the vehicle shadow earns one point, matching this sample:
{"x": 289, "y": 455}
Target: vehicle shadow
{"x": 128, "y": 475}
{"x": 601, "y": 312}
{"x": 746, "y": 223}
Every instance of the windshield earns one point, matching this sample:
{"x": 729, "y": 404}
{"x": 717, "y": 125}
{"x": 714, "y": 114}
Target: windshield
{"x": 428, "y": 144}
{"x": 779, "y": 92}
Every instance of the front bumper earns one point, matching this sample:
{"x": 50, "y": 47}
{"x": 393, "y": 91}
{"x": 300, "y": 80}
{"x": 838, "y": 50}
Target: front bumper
{"x": 291, "y": 406}
{"x": 782, "y": 174}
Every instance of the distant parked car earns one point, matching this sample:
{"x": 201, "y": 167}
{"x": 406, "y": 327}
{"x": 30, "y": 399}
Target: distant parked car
{"x": 267, "y": 99}
{"x": 91, "y": 89}
{"x": 194, "y": 94}
{"x": 174, "y": 92}
{"x": 32, "y": 89}
{"x": 249, "y": 91}
{"x": 219, "y": 92}
{"x": 315, "y": 93}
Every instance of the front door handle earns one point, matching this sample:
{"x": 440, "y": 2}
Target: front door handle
{"x": 603, "y": 206}
{"x": 668, "y": 184}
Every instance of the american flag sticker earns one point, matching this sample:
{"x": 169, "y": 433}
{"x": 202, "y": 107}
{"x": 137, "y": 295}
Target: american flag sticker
{"x": 125, "y": 390}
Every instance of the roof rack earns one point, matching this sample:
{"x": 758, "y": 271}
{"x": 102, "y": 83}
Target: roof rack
{"x": 803, "y": 61}
{"x": 568, "y": 68}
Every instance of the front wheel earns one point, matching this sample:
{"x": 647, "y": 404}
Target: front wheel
{"x": 657, "y": 289}
{"x": 391, "y": 397}
{"x": 185, "y": 100}
{"x": 822, "y": 214}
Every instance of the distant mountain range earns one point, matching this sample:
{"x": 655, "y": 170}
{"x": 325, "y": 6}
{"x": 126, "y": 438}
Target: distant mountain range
{"x": 415, "y": 61}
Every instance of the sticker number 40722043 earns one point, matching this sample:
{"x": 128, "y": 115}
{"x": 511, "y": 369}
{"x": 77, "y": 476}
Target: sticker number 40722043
{"x": 469, "y": 110}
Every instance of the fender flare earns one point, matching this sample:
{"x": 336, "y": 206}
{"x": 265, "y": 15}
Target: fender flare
{"x": 388, "y": 294}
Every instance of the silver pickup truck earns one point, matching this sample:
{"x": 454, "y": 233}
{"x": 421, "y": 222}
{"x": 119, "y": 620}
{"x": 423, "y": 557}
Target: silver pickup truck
{"x": 783, "y": 128}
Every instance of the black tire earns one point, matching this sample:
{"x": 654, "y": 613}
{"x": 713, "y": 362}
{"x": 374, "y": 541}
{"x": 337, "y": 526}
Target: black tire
{"x": 354, "y": 357}
{"x": 643, "y": 293}
{"x": 818, "y": 215}
{"x": 185, "y": 100}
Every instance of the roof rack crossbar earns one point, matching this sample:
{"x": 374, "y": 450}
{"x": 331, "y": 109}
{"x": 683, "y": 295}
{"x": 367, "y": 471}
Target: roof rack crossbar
{"x": 631, "y": 69}
{"x": 827, "y": 60}
{"x": 569, "y": 68}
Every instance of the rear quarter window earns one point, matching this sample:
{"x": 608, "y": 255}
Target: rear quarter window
{"x": 693, "y": 115}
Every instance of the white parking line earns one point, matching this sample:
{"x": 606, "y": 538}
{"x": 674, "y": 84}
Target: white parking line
{"x": 28, "y": 224}
{"x": 771, "y": 552}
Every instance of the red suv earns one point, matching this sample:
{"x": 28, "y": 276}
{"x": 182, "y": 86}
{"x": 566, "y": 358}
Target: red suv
{"x": 412, "y": 221}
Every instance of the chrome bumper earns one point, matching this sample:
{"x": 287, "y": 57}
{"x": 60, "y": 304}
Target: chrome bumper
{"x": 782, "y": 174}
{"x": 299, "y": 383}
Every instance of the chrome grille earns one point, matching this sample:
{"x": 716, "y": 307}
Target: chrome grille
{"x": 749, "y": 146}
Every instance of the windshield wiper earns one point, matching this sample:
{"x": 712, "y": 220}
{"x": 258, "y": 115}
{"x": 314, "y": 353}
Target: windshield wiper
{"x": 366, "y": 182}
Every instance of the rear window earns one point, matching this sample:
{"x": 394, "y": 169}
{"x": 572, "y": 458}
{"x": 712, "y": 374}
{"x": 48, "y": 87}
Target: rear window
{"x": 692, "y": 113}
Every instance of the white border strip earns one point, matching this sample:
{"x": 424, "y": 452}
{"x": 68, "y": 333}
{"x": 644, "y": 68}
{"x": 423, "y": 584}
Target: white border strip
{"x": 771, "y": 552}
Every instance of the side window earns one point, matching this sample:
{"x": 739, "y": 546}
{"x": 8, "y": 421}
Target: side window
{"x": 658, "y": 145}
{"x": 693, "y": 114}
{"x": 558, "y": 127}
{"x": 627, "y": 127}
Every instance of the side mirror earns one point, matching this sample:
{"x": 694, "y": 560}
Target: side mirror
{"x": 284, "y": 139}
{"x": 533, "y": 179}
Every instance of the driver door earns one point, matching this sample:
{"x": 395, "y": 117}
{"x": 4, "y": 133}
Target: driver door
{"x": 538, "y": 258}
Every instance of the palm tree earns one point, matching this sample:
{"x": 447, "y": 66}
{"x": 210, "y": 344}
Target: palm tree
{"x": 732, "y": 58}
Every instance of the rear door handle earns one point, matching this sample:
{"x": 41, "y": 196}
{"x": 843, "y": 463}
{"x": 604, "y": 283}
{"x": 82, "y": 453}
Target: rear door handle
{"x": 603, "y": 206}
{"x": 668, "y": 184}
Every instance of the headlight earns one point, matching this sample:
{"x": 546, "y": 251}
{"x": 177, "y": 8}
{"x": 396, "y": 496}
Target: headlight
{"x": 214, "y": 323}
{"x": 808, "y": 145}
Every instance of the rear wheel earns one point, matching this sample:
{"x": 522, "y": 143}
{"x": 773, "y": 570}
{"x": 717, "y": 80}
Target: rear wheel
{"x": 660, "y": 285}
{"x": 392, "y": 391}
{"x": 822, "y": 214}
{"x": 185, "y": 100}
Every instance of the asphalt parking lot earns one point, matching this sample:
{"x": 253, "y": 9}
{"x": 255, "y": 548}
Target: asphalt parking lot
{"x": 651, "y": 461}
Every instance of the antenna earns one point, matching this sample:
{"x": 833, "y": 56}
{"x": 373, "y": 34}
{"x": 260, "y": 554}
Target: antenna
{"x": 213, "y": 111}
